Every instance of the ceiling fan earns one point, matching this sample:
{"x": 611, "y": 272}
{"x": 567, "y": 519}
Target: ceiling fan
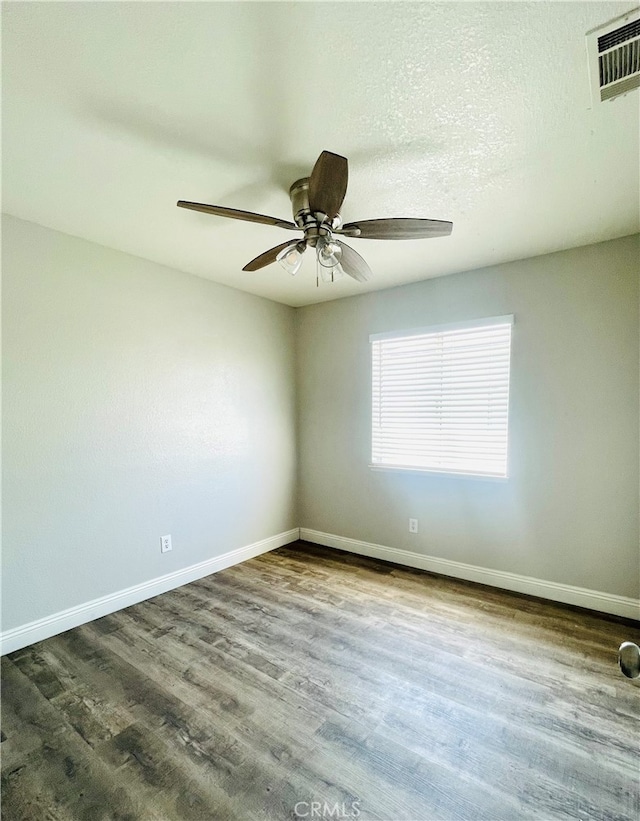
{"x": 316, "y": 202}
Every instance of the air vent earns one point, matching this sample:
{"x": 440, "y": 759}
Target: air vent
{"x": 614, "y": 57}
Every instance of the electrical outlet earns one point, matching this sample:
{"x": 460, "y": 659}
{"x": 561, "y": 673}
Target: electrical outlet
{"x": 413, "y": 525}
{"x": 165, "y": 543}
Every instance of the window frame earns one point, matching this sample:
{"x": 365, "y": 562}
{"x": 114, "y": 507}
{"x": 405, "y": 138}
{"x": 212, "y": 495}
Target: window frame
{"x": 506, "y": 319}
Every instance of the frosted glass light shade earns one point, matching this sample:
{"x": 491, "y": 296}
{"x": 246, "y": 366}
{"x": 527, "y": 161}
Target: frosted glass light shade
{"x": 291, "y": 259}
{"x": 331, "y": 274}
{"x": 329, "y": 253}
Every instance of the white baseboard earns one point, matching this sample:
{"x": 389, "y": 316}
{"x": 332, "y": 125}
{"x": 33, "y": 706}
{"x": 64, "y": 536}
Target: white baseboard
{"x": 564, "y": 593}
{"x": 40, "y": 629}
{"x": 44, "y": 628}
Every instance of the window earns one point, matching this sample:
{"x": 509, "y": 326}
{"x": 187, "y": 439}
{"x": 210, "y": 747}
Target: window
{"x": 441, "y": 398}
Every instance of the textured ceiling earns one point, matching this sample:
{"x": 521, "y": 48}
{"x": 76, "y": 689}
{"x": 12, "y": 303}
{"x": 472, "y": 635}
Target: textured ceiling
{"x": 475, "y": 112}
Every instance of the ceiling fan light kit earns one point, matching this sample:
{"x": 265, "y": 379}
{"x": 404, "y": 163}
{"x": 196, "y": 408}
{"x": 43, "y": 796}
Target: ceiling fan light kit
{"x": 291, "y": 258}
{"x": 316, "y": 203}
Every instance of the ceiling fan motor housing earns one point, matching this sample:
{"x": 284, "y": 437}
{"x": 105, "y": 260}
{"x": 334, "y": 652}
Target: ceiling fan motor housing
{"x": 314, "y": 225}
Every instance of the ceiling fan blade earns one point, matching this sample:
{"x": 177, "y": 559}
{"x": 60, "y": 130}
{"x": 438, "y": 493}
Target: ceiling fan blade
{"x": 397, "y": 228}
{"x": 328, "y": 183}
{"x": 270, "y": 256}
{"x": 233, "y": 213}
{"x": 352, "y": 263}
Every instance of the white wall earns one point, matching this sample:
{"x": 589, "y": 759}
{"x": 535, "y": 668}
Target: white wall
{"x": 569, "y": 512}
{"x": 138, "y": 401}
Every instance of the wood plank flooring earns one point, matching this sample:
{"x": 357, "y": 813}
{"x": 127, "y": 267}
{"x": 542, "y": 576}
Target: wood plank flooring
{"x": 310, "y": 683}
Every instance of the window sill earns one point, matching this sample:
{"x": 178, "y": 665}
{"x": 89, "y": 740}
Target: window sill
{"x": 444, "y": 474}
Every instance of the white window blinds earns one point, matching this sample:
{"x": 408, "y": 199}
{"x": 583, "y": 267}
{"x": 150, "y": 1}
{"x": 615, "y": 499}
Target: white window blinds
{"x": 440, "y": 398}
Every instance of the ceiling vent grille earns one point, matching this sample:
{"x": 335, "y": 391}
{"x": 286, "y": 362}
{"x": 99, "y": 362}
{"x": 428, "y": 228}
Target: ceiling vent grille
{"x": 614, "y": 57}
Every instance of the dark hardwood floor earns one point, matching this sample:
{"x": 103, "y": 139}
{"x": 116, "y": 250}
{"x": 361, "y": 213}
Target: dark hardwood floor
{"x": 309, "y": 675}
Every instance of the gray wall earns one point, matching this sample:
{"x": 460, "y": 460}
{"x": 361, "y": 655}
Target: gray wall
{"x": 138, "y": 401}
{"x": 569, "y": 512}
